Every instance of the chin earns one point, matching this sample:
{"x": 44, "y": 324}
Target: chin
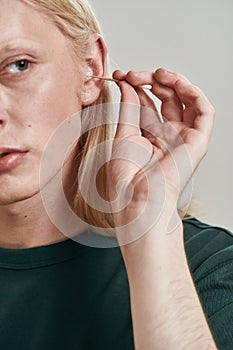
{"x": 15, "y": 193}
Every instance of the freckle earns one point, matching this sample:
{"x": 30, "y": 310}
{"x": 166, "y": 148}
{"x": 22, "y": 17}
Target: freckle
{"x": 29, "y": 126}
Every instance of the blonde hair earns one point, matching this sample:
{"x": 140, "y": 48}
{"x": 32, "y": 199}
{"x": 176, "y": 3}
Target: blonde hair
{"x": 77, "y": 21}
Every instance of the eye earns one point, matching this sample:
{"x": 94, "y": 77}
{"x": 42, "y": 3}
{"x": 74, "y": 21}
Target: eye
{"x": 18, "y": 66}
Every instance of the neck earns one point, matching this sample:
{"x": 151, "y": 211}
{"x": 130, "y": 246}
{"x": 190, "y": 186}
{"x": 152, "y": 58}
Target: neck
{"x": 25, "y": 224}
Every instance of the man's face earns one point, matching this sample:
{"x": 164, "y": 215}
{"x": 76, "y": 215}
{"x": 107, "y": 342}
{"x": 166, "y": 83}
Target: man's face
{"x": 39, "y": 88}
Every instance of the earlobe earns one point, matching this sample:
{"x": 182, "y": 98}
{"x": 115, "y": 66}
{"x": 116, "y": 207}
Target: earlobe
{"x": 95, "y": 65}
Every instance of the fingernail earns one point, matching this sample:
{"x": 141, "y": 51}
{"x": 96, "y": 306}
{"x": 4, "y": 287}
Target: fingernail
{"x": 168, "y": 71}
{"x": 164, "y": 71}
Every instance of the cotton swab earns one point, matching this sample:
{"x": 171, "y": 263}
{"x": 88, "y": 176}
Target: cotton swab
{"x": 148, "y": 87}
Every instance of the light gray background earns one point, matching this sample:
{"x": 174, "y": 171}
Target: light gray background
{"x": 195, "y": 39}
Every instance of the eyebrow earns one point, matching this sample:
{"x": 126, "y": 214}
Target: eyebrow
{"x": 10, "y": 45}
{"x": 15, "y": 44}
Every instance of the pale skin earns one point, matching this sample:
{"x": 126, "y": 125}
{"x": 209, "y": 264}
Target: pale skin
{"x": 166, "y": 311}
{"x": 32, "y": 105}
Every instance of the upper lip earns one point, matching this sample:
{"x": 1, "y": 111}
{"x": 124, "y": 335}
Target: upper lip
{"x": 8, "y": 150}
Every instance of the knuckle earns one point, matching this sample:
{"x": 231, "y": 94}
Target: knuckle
{"x": 168, "y": 96}
{"x": 131, "y": 74}
{"x": 184, "y": 87}
{"x": 158, "y": 70}
{"x": 183, "y": 78}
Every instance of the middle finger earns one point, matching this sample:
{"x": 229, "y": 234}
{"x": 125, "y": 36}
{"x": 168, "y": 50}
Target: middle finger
{"x": 172, "y": 107}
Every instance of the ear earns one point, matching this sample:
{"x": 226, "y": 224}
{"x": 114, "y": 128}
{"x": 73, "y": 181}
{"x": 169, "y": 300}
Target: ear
{"x": 95, "y": 65}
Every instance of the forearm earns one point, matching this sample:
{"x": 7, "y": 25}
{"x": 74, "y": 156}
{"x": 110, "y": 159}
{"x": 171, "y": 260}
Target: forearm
{"x": 166, "y": 310}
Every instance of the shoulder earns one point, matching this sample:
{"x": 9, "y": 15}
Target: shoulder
{"x": 207, "y": 247}
{"x": 209, "y": 251}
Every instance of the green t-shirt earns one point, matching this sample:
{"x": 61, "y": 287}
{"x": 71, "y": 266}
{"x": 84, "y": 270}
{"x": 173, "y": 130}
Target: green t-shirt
{"x": 70, "y": 296}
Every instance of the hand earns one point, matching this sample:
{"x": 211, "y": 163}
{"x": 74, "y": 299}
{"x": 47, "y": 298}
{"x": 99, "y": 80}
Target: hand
{"x": 159, "y": 158}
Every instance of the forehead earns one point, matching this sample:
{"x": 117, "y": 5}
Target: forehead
{"x": 22, "y": 22}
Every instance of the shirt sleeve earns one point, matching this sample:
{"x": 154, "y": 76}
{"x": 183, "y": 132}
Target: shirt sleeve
{"x": 209, "y": 252}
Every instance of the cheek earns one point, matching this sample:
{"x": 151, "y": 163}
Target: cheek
{"x": 45, "y": 105}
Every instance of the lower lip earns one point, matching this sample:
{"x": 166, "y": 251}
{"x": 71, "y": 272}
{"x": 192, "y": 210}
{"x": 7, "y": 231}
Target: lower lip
{"x": 11, "y": 161}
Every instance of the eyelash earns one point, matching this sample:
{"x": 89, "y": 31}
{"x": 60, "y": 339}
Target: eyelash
{"x": 18, "y": 62}
{"x": 6, "y": 69}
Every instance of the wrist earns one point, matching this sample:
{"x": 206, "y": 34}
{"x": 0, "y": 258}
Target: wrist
{"x": 159, "y": 240}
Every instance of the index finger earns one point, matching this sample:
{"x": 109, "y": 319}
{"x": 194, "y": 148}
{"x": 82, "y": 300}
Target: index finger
{"x": 129, "y": 114}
